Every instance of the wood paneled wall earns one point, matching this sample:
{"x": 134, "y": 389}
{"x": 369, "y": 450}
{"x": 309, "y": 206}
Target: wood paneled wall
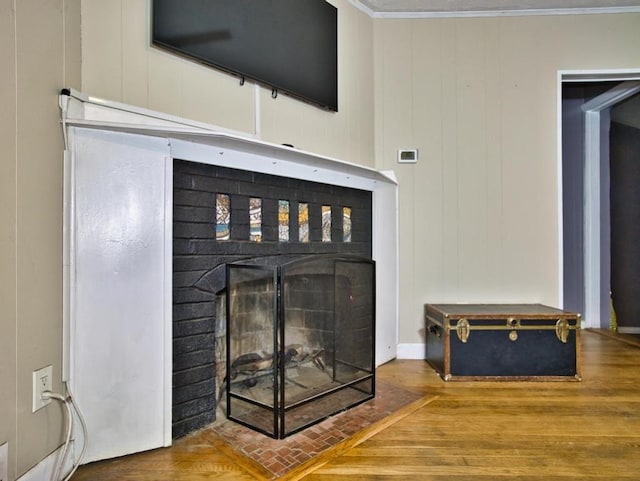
{"x": 118, "y": 63}
{"x": 480, "y": 210}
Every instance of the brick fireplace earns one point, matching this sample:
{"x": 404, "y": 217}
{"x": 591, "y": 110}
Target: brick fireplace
{"x": 121, "y": 275}
{"x": 199, "y": 259}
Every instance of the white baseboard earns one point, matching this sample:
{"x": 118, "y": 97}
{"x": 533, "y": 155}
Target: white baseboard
{"x": 410, "y": 351}
{"x": 629, "y": 330}
{"x": 43, "y": 471}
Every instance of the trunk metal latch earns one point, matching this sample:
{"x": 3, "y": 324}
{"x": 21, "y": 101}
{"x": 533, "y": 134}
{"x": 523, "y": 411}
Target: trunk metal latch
{"x": 462, "y": 329}
{"x": 562, "y": 330}
{"x": 514, "y": 324}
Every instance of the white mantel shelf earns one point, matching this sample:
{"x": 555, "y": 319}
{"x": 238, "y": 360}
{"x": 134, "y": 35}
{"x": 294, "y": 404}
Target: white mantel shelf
{"x": 92, "y": 113}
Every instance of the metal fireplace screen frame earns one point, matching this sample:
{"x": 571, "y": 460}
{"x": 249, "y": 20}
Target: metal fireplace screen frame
{"x": 300, "y": 340}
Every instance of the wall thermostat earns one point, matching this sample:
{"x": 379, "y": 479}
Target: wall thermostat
{"x": 407, "y": 156}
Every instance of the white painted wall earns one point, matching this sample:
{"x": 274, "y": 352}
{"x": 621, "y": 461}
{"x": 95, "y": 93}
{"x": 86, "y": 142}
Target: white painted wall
{"x": 120, "y": 317}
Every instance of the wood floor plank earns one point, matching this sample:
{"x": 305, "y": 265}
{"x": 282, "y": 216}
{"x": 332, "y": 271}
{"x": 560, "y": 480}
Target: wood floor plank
{"x": 522, "y": 431}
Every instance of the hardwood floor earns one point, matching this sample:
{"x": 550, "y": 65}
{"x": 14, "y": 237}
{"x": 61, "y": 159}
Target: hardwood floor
{"x": 522, "y": 431}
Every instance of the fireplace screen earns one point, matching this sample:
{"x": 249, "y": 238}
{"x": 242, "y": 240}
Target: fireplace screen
{"x": 300, "y": 340}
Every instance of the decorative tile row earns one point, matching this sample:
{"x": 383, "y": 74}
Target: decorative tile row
{"x": 223, "y": 220}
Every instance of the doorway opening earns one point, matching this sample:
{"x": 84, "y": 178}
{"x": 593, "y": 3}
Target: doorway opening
{"x": 587, "y": 109}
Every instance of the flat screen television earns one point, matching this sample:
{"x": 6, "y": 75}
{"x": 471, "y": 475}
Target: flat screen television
{"x": 290, "y": 46}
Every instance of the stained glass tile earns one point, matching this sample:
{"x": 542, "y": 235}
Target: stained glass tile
{"x": 346, "y": 224}
{"x": 326, "y": 223}
{"x": 303, "y": 222}
{"x": 255, "y": 219}
{"x": 223, "y": 217}
{"x": 283, "y": 220}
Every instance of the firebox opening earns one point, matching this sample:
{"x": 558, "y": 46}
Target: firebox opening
{"x": 300, "y": 340}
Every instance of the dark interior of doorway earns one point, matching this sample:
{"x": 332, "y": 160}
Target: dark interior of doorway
{"x": 624, "y": 162}
{"x": 620, "y": 215}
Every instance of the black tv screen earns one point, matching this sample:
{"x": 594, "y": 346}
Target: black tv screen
{"x": 290, "y": 46}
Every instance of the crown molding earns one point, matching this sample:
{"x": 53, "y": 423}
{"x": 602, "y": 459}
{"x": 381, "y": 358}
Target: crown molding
{"x": 363, "y": 8}
{"x": 495, "y": 13}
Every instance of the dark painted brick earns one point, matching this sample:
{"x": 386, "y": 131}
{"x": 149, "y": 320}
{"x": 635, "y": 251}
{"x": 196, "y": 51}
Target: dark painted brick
{"x": 199, "y": 259}
{"x": 193, "y": 359}
{"x": 195, "y": 214}
{"x": 270, "y": 233}
{"x": 193, "y": 391}
{"x": 193, "y": 375}
{"x": 186, "y": 426}
{"x": 239, "y": 232}
{"x": 193, "y": 311}
{"x": 235, "y": 175}
{"x": 193, "y": 230}
{"x": 184, "y": 167}
{"x": 205, "y": 184}
{"x": 183, "y": 198}
{"x": 214, "y": 280}
{"x": 240, "y": 204}
{"x": 194, "y": 326}
{"x": 194, "y": 407}
{"x": 183, "y": 263}
{"x": 185, "y": 295}
{"x": 221, "y": 186}
{"x": 197, "y": 342}
{"x": 186, "y": 279}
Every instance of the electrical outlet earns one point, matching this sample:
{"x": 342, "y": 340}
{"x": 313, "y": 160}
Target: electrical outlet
{"x": 4, "y": 462}
{"x": 42, "y": 381}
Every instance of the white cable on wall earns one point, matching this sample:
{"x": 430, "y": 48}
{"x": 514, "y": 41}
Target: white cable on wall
{"x": 68, "y": 403}
{"x": 63, "y": 455}
{"x": 85, "y": 434}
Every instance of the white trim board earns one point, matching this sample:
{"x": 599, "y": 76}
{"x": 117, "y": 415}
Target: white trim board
{"x": 411, "y": 351}
{"x": 629, "y": 330}
{"x": 95, "y": 113}
{"x": 44, "y": 469}
{"x": 494, "y": 13}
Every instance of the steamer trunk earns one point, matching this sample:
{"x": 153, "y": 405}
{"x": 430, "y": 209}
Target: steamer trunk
{"x": 502, "y": 342}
